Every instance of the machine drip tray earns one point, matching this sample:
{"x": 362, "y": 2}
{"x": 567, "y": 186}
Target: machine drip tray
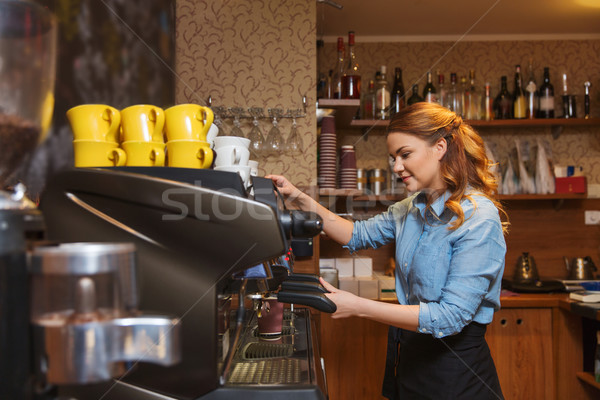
{"x": 266, "y": 372}
{"x": 259, "y": 350}
{"x": 285, "y": 331}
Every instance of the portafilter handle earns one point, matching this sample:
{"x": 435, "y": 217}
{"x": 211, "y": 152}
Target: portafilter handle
{"x": 301, "y": 224}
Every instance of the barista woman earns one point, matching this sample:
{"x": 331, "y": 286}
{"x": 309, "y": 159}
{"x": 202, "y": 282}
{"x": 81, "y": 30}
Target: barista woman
{"x": 449, "y": 255}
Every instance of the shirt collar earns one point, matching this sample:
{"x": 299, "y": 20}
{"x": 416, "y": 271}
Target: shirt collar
{"x": 437, "y": 207}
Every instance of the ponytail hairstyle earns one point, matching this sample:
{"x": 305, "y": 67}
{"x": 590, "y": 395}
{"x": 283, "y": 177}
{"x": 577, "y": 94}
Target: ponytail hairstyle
{"x": 465, "y": 162}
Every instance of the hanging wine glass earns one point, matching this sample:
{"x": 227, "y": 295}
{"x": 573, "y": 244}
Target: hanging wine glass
{"x": 236, "y": 130}
{"x": 257, "y": 140}
{"x": 220, "y": 114}
{"x": 274, "y": 143}
{"x": 294, "y": 143}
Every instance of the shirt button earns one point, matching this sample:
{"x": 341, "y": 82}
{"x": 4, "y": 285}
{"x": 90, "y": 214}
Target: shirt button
{"x": 406, "y": 264}
{"x": 424, "y": 330}
{"x": 440, "y": 334}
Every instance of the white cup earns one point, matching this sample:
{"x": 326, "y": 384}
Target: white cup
{"x": 221, "y": 141}
{"x": 242, "y": 170}
{"x": 213, "y": 131}
{"x": 231, "y": 156}
{"x": 253, "y": 164}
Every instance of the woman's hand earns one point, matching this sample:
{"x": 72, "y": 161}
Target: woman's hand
{"x": 346, "y": 302}
{"x": 284, "y": 186}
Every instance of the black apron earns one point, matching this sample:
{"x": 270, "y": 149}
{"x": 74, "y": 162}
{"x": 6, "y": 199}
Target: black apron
{"x": 420, "y": 366}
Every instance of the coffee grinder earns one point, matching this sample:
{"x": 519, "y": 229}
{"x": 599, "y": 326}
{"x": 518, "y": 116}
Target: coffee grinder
{"x": 27, "y": 71}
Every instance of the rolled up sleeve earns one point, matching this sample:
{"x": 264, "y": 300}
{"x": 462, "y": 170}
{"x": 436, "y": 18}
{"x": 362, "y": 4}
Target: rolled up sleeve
{"x": 374, "y": 232}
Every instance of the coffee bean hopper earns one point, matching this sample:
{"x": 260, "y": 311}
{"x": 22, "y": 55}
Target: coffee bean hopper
{"x": 27, "y": 71}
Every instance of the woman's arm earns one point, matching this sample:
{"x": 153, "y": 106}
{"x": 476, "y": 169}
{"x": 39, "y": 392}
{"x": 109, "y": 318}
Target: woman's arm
{"x": 336, "y": 227}
{"x": 349, "y": 305}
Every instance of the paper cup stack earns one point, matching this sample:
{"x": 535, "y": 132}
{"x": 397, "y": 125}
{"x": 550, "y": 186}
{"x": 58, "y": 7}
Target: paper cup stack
{"x": 348, "y": 177}
{"x": 327, "y": 153}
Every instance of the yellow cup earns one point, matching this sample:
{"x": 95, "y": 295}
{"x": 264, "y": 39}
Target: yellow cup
{"x": 97, "y": 153}
{"x": 189, "y": 154}
{"x": 98, "y": 122}
{"x": 188, "y": 122}
{"x": 144, "y": 154}
{"x": 142, "y": 123}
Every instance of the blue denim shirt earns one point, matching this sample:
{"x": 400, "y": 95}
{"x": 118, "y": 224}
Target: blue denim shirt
{"x": 454, "y": 275}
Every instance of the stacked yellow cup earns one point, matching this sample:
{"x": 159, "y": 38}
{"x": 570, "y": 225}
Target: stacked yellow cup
{"x": 189, "y": 136}
{"x": 96, "y": 136}
{"x": 142, "y": 133}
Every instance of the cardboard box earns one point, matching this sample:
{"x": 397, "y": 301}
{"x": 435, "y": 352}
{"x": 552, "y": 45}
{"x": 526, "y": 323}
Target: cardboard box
{"x": 326, "y": 263}
{"x": 349, "y": 284}
{"x": 572, "y": 184}
{"x": 368, "y": 288}
{"x": 387, "y": 287}
{"x": 345, "y": 267}
{"x": 363, "y": 267}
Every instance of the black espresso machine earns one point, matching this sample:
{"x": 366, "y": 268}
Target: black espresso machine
{"x": 209, "y": 251}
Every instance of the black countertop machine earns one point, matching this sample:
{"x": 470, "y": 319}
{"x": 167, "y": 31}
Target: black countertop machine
{"x": 209, "y": 253}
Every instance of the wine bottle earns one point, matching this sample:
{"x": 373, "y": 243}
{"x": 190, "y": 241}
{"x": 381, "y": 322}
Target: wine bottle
{"x": 442, "y": 91}
{"x": 338, "y": 72}
{"x": 382, "y": 96}
{"x": 519, "y": 100}
{"x": 487, "y": 104}
{"x": 546, "y": 96}
{"x": 503, "y": 103}
{"x": 462, "y": 89}
{"x": 454, "y": 96}
{"x": 368, "y": 102}
{"x": 351, "y": 77}
{"x": 414, "y": 98}
{"x": 472, "y": 99}
{"x": 531, "y": 93}
{"x": 398, "y": 100}
{"x": 429, "y": 92}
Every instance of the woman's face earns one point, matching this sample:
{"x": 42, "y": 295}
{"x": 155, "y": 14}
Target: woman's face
{"x": 416, "y": 162}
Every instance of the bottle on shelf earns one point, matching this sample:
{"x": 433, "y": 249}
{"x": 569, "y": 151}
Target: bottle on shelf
{"x": 429, "y": 92}
{"x": 454, "y": 96}
{"x": 398, "y": 94}
{"x": 569, "y": 104}
{"x": 368, "y": 102}
{"x": 328, "y": 94}
{"x": 414, "y": 98}
{"x": 462, "y": 89}
{"x": 546, "y": 96}
{"x": 531, "y": 93}
{"x": 503, "y": 103}
{"x": 487, "y": 104}
{"x": 382, "y": 104}
{"x": 351, "y": 76}
{"x": 472, "y": 99}
{"x": 519, "y": 99}
{"x": 321, "y": 76}
{"x": 338, "y": 72}
{"x": 442, "y": 90}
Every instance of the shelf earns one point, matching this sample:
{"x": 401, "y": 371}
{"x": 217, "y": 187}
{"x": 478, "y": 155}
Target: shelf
{"x": 340, "y": 192}
{"x": 588, "y": 377}
{"x": 501, "y": 123}
{"x": 345, "y": 110}
{"x": 554, "y": 196}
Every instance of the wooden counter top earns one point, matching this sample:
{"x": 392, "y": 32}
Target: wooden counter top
{"x": 532, "y": 300}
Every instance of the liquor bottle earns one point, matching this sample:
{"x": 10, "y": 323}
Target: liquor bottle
{"x": 531, "y": 93}
{"x": 472, "y": 99}
{"x": 442, "y": 91}
{"x": 321, "y": 76}
{"x": 429, "y": 92}
{"x": 338, "y": 72}
{"x": 398, "y": 101}
{"x": 519, "y": 99}
{"x": 487, "y": 104}
{"x": 503, "y": 103}
{"x": 414, "y": 98}
{"x": 454, "y": 97}
{"x": 382, "y": 104}
{"x": 328, "y": 94}
{"x": 462, "y": 89}
{"x": 569, "y": 104}
{"x": 351, "y": 77}
{"x": 546, "y": 96}
{"x": 368, "y": 102}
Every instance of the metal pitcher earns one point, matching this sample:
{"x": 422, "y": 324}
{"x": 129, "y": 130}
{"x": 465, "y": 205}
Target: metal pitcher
{"x": 580, "y": 268}
{"x": 526, "y": 270}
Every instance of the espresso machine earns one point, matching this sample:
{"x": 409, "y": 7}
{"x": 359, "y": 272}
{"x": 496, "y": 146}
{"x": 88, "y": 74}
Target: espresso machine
{"x": 211, "y": 255}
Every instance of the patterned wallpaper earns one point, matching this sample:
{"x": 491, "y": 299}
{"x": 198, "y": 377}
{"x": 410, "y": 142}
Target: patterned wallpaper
{"x": 580, "y": 59}
{"x": 258, "y": 53}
